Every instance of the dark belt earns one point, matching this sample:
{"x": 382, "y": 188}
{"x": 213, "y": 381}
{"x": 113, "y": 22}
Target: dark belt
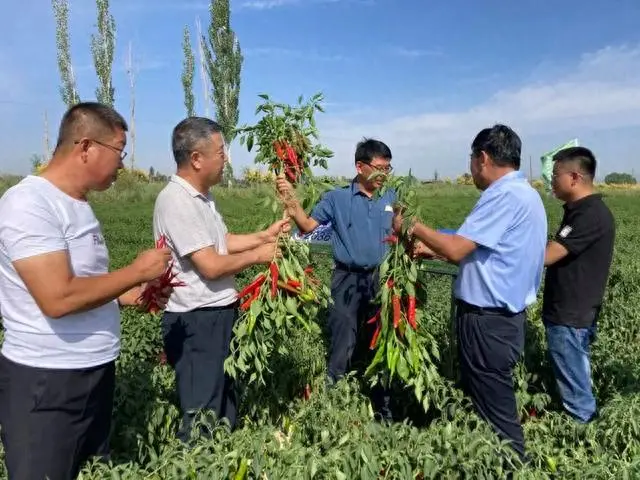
{"x": 465, "y": 307}
{"x": 353, "y": 268}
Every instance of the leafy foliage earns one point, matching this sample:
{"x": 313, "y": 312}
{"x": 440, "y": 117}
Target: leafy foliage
{"x": 102, "y": 48}
{"x": 405, "y": 348}
{"x": 616, "y": 178}
{"x": 68, "y": 90}
{"x": 223, "y": 60}
{"x": 188, "y": 70}
{"x": 282, "y": 127}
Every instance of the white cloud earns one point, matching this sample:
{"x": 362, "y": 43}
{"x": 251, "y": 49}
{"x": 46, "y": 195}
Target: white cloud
{"x": 600, "y": 92}
{"x": 414, "y": 52}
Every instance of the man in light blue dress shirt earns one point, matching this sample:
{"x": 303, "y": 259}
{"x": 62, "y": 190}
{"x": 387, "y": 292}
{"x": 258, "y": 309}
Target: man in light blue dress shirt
{"x": 500, "y": 249}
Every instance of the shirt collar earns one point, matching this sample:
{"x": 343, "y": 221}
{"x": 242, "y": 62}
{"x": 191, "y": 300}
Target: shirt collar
{"x": 511, "y": 176}
{"x": 187, "y": 186}
{"x": 583, "y": 201}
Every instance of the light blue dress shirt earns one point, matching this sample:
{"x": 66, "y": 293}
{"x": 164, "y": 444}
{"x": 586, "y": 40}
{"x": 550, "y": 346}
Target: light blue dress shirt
{"x": 509, "y": 226}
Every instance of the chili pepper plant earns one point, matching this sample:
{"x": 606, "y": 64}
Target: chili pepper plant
{"x": 285, "y": 296}
{"x": 404, "y": 348}
{"x": 283, "y": 137}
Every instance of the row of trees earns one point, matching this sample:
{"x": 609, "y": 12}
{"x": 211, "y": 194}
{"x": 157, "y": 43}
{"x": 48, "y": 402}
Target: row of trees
{"x": 220, "y": 60}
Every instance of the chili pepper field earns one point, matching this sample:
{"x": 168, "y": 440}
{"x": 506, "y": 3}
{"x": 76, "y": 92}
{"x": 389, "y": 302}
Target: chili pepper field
{"x": 290, "y": 431}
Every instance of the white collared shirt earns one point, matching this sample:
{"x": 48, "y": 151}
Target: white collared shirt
{"x": 190, "y": 222}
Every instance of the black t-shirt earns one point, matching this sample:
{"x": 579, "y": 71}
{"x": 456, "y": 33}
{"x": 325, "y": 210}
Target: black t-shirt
{"x": 574, "y": 286}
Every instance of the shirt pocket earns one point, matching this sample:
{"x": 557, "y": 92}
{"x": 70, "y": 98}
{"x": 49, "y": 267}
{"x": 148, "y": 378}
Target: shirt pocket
{"x": 386, "y": 220}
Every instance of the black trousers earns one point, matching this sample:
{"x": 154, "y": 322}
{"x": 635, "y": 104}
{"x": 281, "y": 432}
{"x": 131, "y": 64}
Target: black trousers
{"x": 352, "y": 291}
{"x": 489, "y": 346}
{"x": 196, "y": 344}
{"x": 54, "y": 420}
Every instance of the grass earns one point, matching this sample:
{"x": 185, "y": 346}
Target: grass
{"x": 333, "y": 435}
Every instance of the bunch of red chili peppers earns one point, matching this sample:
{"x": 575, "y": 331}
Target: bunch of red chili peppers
{"x": 290, "y": 162}
{"x": 403, "y": 309}
{"x": 252, "y": 291}
{"x": 149, "y": 297}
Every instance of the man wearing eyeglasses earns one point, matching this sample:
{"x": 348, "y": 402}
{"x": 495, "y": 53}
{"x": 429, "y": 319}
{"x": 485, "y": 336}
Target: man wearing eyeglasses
{"x": 60, "y": 303}
{"x": 500, "y": 252}
{"x": 360, "y": 224}
{"x": 578, "y": 260}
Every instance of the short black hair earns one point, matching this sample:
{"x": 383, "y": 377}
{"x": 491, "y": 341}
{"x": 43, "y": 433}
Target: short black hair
{"x": 91, "y": 120}
{"x": 501, "y": 143}
{"x": 369, "y": 148}
{"x": 189, "y": 134}
{"x": 584, "y": 157}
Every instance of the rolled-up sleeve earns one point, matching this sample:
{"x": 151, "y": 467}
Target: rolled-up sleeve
{"x": 489, "y": 219}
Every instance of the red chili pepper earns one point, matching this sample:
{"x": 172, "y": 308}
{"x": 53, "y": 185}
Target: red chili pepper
{"x": 411, "y": 316}
{"x": 374, "y": 318}
{"x": 396, "y": 310}
{"x": 247, "y": 303}
{"x": 162, "y": 242}
{"x": 273, "y": 268}
{"x": 294, "y": 283}
{"x": 390, "y": 283}
{"x": 391, "y": 239}
{"x": 307, "y": 392}
{"x": 257, "y": 283}
{"x": 293, "y": 157}
{"x": 277, "y": 145}
{"x": 308, "y": 270}
{"x": 290, "y": 173}
{"x": 375, "y": 338}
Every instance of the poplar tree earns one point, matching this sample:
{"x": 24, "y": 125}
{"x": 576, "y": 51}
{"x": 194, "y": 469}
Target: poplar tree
{"x": 188, "y": 69}
{"x": 68, "y": 90}
{"x": 102, "y": 48}
{"x": 224, "y": 63}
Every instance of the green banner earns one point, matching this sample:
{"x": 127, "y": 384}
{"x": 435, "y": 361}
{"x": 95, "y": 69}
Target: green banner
{"x": 547, "y": 162}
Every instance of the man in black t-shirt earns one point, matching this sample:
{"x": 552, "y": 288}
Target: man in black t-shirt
{"x": 578, "y": 260}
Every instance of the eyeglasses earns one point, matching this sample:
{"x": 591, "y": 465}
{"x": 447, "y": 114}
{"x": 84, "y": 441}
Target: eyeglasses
{"x": 385, "y": 169}
{"x": 559, "y": 174}
{"x": 119, "y": 151}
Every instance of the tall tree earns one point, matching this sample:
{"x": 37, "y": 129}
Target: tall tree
{"x": 131, "y": 73}
{"x": 224, "y": 64}
{"x": 102, "y": 48}
{"x": 188, "y": 69}
{"x": 68, "y": 90}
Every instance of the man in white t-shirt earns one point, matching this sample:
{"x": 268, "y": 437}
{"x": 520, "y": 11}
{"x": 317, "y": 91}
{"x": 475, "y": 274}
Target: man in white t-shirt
{"x": 59, "y": 302}
{"x": 198, "y": 321}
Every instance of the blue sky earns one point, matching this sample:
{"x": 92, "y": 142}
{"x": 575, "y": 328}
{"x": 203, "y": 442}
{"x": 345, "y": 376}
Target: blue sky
{"x": 423, "y": 76}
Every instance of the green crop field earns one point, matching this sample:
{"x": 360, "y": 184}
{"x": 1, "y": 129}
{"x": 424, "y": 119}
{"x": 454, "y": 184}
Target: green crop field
{"x": 333, "y": 435}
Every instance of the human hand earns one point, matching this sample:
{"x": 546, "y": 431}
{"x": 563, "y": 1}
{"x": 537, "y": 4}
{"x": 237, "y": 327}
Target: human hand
{"x": 284, "y": 187}
{"x": 267, "y": 252}
{"x": 152, "y": 263}
{"x": 160, "y": 297}
{"x": 420, "y": 250}
{"x": 281, "y": 226}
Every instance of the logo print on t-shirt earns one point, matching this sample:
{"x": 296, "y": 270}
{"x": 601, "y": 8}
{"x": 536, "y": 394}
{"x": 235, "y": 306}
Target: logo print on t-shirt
{"x": 98, "y": 239}
{"x": 565, "y": 231}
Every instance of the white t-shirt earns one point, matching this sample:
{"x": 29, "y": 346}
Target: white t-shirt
{"x": 190, "y": 222}
{"x": 37, "y": 218}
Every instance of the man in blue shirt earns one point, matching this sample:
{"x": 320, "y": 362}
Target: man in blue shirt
{"x": 360, "y": 224}
{"x": 500, "y": 249}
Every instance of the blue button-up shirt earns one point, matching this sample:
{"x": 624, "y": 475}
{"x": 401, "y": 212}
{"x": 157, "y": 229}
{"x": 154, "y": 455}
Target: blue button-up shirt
{"x": 360, "y": 224}
{"x": 509, "y": 226}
